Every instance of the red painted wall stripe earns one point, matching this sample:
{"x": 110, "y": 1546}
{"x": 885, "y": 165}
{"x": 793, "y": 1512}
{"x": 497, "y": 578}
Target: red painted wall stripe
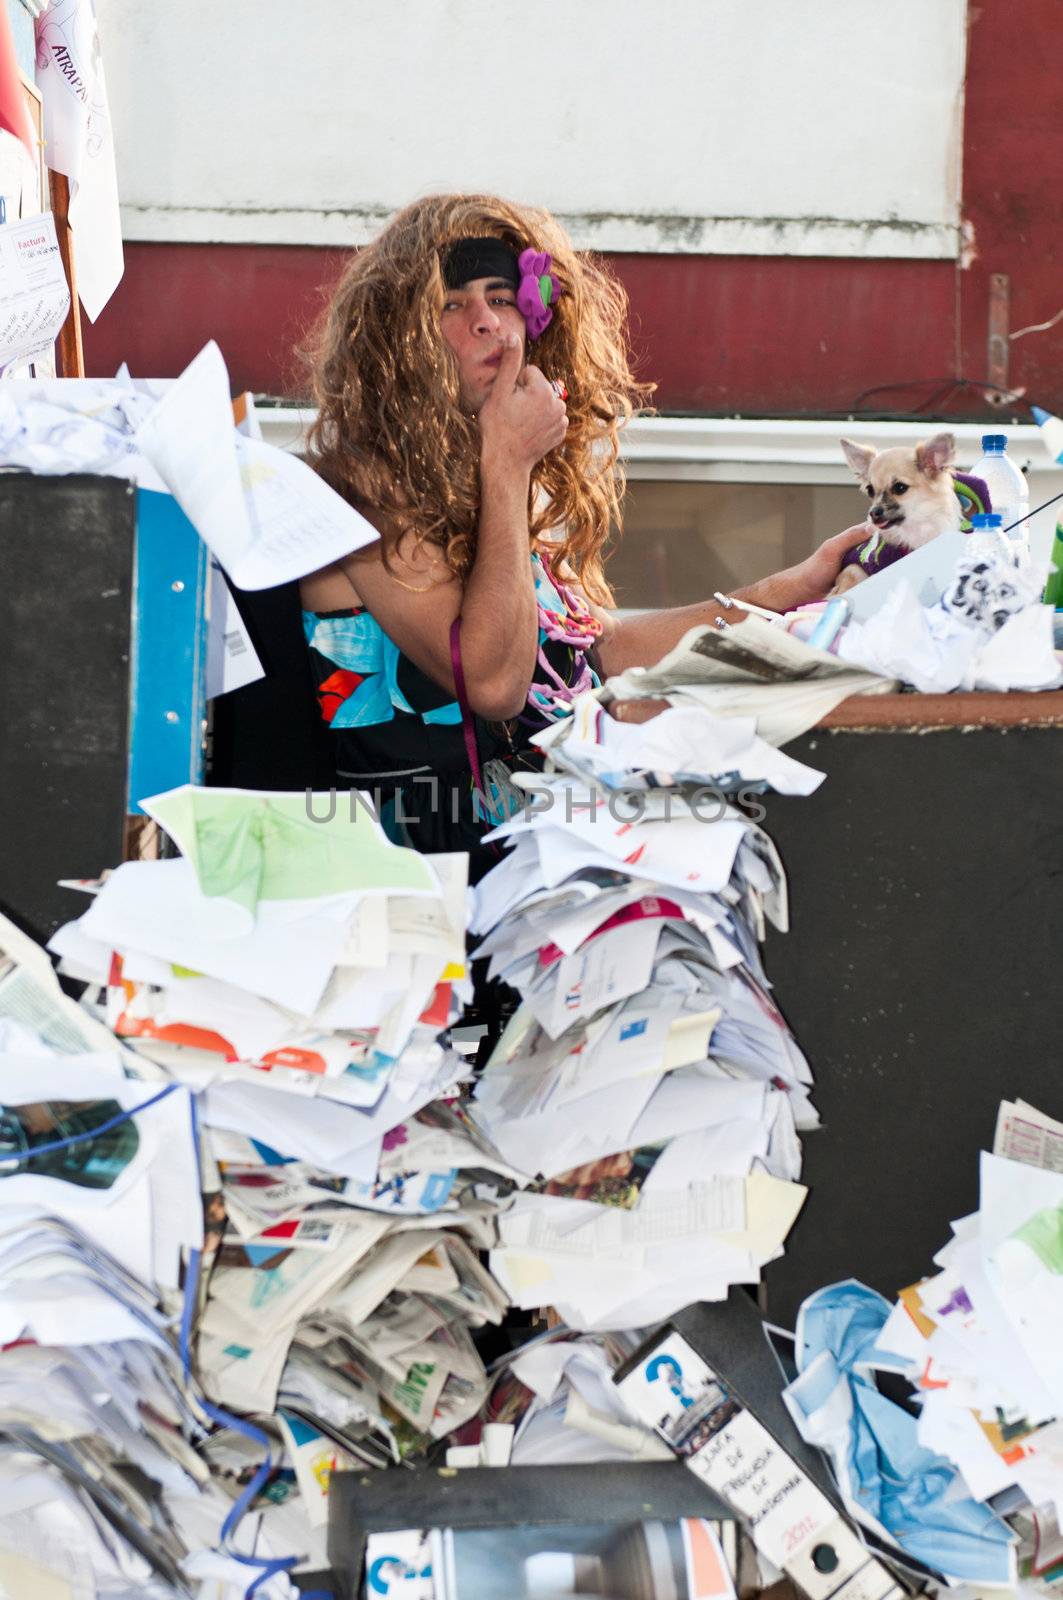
{"x": 717, "y": 333}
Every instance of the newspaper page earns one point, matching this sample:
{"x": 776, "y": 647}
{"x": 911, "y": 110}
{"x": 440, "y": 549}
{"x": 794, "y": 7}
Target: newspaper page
{"x": 1025, "y": 1134}
{"x": 750, "y": 669}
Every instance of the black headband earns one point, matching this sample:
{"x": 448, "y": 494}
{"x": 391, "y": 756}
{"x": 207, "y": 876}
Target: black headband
{"x": 467, "y": 259}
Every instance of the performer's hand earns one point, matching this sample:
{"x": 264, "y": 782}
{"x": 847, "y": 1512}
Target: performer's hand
{"x": 522, "y": 418}
{"x": 810, "y": 579}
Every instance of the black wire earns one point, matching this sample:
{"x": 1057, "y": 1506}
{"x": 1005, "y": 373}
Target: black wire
{"x": 1043, "y": 507}
{"x": 951, "y": 384}
{"x": 893, "y": 388}
{"x": 945, "y": 387}
{"x": 939, "y": 395}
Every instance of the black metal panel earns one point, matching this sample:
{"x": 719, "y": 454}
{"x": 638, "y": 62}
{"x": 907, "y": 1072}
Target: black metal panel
{"x": 920, "y": 976}
{"x": 66, "y": 577}
{"x": 361, "y": 1503}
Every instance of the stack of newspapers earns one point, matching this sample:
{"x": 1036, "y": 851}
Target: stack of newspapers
{"x": 260, "y": 1222}
{"x": 647, "y": 1086}
{"x": 294, "y": 1209}
{"x": 108, "y": 1484}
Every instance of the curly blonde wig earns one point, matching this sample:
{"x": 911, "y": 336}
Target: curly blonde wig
{"x": 390, "y": 433}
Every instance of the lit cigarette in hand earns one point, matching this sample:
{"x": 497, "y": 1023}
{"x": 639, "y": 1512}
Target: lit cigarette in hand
{"x": 559, "y": 388}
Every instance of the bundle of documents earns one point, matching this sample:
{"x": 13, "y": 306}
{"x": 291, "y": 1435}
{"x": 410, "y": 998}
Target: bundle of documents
{"x": 299, "y": 974}
{"x": 975, "y": 1481}
{"x": 647, "y": 1087}
{"x": 254, "y": 1161}
{"x": 988, "y": 630}
{"x": 283, "y": 953}
{"x": 294, "y": 978}
{"x": 104, "y": 1484}
{"x": 264, "y": 514}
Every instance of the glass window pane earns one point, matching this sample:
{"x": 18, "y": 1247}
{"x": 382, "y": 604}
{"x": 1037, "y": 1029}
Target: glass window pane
{"x": 682, "y": 541}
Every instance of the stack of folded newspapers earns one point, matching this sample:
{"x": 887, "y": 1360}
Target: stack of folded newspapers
{"x": 647, "y": 1086}
{"x": 106, "y": 1486}
{"x": 347, "y": 1199}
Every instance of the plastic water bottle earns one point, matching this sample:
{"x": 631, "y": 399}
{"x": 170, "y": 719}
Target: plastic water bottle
{"x": 987, "y": 538}
{"x": 1008, "y": 489}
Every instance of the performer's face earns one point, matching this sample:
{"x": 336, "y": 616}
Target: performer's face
{"x": 477, "y": 318}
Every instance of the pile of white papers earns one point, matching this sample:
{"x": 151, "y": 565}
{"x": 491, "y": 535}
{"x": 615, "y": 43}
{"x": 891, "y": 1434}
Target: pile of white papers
{"x": 988, "y": 630}
{"x": 647, "y": 1087}
{"x": 982, "y": 1335}
{"x": 979, "y": 1340}
{"x": 296, "y": 976}
{"x": 264, "y": 513}
{"x": 300, "y": 973}
{"x": 564, "y": 1406}
{"x": 274, "y": 1234}
{"x": 283, "y": 950}
{"x": 103, "y": 1485}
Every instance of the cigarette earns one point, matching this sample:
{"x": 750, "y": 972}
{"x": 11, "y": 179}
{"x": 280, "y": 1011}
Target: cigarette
{"x": 559, "y": 388}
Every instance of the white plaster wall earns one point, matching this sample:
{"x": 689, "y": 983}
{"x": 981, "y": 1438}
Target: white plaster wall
{"x": 778, "y": 127}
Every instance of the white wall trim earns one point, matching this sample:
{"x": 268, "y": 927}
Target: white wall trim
{"x": 785, "y": 450}
{"x": 654, "y": 235}
{"x": 743, "y": 450}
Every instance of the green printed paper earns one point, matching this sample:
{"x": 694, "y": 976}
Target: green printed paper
{"x": 246, "y": 846}
{"x": 1044, "y": 1236}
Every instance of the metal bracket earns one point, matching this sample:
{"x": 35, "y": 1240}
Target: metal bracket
{"x": 998, "y": 347}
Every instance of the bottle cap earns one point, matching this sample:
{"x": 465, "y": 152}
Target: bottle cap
{"x": 992, "y": 442}
{"x": 987, "y": 519}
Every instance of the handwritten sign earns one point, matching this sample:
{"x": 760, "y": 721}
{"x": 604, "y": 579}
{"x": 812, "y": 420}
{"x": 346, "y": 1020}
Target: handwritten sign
{"x": 34, "y": 296}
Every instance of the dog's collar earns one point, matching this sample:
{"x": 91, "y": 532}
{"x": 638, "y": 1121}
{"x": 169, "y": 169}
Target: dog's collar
{"x": 874, "y": 555}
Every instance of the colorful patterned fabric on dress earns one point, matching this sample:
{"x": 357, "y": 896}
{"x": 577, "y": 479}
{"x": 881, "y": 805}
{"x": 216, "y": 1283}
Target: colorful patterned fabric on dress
{"x": 363, "y": 689}
{"x": 397, "y": 733}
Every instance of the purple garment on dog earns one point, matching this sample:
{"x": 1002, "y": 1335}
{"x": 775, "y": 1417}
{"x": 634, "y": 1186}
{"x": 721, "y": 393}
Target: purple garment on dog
{"x": 876, "y": 553}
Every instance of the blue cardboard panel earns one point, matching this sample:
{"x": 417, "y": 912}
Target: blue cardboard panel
{"x": 169, "y": 650}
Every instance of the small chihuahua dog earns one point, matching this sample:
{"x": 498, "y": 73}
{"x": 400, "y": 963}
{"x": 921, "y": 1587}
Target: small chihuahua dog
{"x": 911, "y": 494}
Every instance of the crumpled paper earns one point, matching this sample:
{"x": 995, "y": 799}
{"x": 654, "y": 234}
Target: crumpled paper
{"x": 988, "y": 631}
{"x": 887, "y": 1479}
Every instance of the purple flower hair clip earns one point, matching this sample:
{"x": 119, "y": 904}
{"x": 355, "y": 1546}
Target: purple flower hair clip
{"x": 538, "y": 290}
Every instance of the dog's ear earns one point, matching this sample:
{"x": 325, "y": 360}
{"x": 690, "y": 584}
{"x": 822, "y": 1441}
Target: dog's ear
{"x": 936, "y": 455}
{"x": 859, "y": 457}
